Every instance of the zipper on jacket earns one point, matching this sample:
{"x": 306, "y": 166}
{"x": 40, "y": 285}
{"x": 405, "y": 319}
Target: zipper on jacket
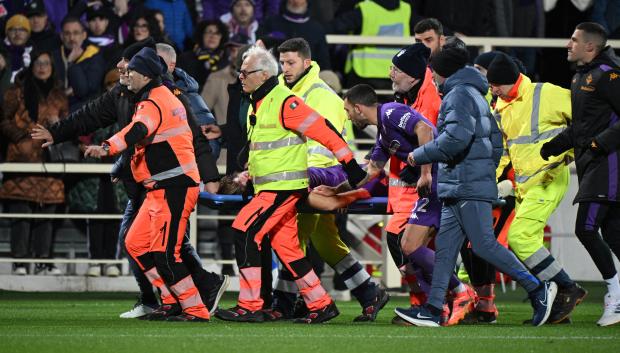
{"x": 257, "y": 214}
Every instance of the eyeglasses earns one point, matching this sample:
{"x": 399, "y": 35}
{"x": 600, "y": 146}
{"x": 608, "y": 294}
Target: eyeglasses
{"x": 248, "y": 73}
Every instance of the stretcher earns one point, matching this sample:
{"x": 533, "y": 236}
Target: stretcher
{"x": 373, "y": 205}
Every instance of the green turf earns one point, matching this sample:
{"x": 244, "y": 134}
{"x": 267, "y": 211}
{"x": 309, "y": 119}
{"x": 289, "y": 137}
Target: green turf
{"x": 88, "y": 322}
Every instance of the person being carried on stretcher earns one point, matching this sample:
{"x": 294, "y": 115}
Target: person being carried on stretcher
{"x": 323, "y": 179}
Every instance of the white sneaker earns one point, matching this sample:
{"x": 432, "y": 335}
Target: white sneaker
{"x": 20, "y": 271}
{"x": 340, "y": 295}
{"x": 52, "y": 271}
{"x": 112, "y": 271}
{"x": 138, "y": 311}
{"x": 94, "y": 271}
{"x": 611, "y": 313}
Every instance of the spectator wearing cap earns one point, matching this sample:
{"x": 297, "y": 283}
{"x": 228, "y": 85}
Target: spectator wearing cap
{"x": 43, "y": 36}
{"x": 467, "y": 151}
{"x": 412, "y": 81}
{"x": 209, "y": 54}
{"x": 214, "y": 91}
{"x": 530, "y": 115}
{"x": 177, "y": 20}
{"x": 17, "y": 43}
{"x": 240, "y": 19}
{"x": 99, "y": 31}
{"x": 294, "y": 21}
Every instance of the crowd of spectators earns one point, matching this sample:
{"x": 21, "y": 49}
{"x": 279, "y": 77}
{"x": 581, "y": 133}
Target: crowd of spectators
{"x": 56, "y": 55}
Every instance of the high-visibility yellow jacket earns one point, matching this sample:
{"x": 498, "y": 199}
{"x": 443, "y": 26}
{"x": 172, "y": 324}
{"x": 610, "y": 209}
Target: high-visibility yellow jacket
{"x": 278, "y": 156}
{"x": 320, "y": 97}
{"x": 539, "y": 112}
{"x": 371, "y": 61}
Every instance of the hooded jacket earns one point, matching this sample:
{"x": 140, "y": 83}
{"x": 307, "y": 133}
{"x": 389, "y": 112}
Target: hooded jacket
{"x": 469, "y": 144}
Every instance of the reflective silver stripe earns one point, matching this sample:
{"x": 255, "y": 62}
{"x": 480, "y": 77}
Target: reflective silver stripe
{"x": 309, "y": 121}
{"x": 505, "y": 153}
{"x": 347, "y": 262}
{"x": 118, "y": 143}
{"x": 320, "y": 150}
{"x": 357, "y": 279}
{"x": 522, "y": 140}
{"x": 279, "y": 177}
{"x": 315, "y": 86}
{"x": 343, "y": 152}
{"x": 171, "y": 173}
{"x": 183, "y": 286}
{"x": 164, "y": 135}
{"x": 191, "y": 302}
{"x": 548, "y": 273}
{"x": 535, "y": 136}
{"x": 398, "y": 182}
{"x": 539, "y": 256}
{"x": 523, "y": 178}
{"x": 272, "y": 145}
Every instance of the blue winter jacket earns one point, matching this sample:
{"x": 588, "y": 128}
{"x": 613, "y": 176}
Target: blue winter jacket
{"x": 177, "y": 19}
{"x": 201, "y": 111}
{"x": 469, "y": 145}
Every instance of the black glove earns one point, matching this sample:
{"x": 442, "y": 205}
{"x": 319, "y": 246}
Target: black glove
{"x": 410, "y": 175}
{"x": 355, "y": 173}
{"x": 547, "y": 151}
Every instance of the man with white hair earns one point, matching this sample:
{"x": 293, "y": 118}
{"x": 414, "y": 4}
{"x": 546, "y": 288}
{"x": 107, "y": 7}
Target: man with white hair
{"x": 278, "y": 124}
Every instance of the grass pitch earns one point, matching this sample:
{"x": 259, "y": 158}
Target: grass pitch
{"x": 88, "y": 322}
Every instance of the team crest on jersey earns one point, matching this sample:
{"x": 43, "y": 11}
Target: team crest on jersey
{"x": 613, "y": 76}
{"x": 589, "y": 79}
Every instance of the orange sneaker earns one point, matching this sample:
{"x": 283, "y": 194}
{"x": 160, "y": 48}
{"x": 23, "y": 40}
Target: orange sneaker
{"x": 463, "y": 304}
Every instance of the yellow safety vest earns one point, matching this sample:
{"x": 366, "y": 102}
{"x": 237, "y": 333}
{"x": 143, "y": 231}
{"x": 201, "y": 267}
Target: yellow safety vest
{"x": 540, "y": 112}
{"x": 320, "y": 97}
{"x": 278, "y": 157}
{"x": 374, "y": 62}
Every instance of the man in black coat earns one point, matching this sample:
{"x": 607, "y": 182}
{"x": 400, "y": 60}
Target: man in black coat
{"x": 595, "y": 136}
{"x": 117, "y": 106}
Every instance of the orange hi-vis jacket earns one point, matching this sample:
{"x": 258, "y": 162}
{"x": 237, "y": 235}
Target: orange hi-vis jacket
{"x": 164, "y": 151}
{"x": 401, "y": 196}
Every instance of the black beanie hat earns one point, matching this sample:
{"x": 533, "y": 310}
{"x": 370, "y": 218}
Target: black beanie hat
{"x": 412, "y": 60}
{"x": 484, "y": 59}
{"x": 133, "y": 49}
{"x": 448, "y": 61}
{"x": 148, "y": 63}
{"x": 503, "y": 70}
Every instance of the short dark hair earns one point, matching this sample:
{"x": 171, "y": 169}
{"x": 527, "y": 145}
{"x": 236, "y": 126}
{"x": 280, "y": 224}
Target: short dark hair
{"x": 362, "y": 94}
{"x": 594, "y": 32}
{"x": 71, "y": 19}
{"x": 296, "y": 45}
{"x": 428, "y": 24}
